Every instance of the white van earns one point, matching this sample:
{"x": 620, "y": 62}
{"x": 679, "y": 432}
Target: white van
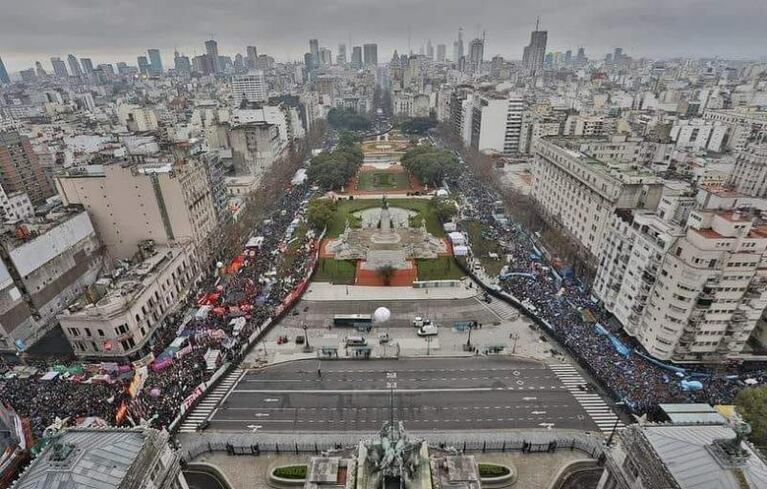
{"x": 428, "y": 330}
{"x": 419, "y": 321}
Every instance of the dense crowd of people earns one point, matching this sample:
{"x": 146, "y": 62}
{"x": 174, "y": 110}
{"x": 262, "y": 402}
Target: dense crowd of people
{"x": 560, "y": 301}
{"x": 253, "y": 286}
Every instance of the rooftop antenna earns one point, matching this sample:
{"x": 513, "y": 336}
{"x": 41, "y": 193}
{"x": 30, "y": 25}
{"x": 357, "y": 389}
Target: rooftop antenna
{"x": 537, "y": 22}
{"x": 409, "y": 49}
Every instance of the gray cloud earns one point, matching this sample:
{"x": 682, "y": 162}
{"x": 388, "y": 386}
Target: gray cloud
{"x": 112, "y": 30}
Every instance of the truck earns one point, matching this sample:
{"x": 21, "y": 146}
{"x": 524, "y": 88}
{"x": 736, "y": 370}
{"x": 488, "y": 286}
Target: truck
{"x": 419, "y": 321}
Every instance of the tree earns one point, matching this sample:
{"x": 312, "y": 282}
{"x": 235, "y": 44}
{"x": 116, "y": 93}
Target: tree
{"x": 431, "y": 165}
{"x": 418, "y": 125}
{"x": 347, "y": 119}
{"x": 751, "y": 403}
{"x": 333, "y": 170}
{"x": 386, "y": 273}
{"x": 444, "y": 209}
{"x": 320, "y": 212}
{"x": 348, "y": 139}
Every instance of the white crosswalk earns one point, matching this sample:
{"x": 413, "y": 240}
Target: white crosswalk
{"x": 210, "y": 402}
{"x": 602, "y": 415}
{"x": 502, "y": 309}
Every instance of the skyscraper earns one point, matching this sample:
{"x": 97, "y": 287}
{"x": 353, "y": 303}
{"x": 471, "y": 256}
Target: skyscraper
{"x": 59, "y": 67}
{"x": 371, "y": 54}
{"x": 441, "y": 52}
{"x": 341, "y": 58}
{"x": 314, "y": 49}
{"x": 87, "y": 65}
{"x": 211, "y": 48}
{"x": 429, "y": 49}
{"x": 39, "y": 69}
{"x": 458, "y": 46}
{"x": 74, "y": 65}
{"x": 251, "y": 55}
{"x": 155, "y": 61}
{"x": 535, "y": 52}
{"x": 476, "y": 53}
{"x": 143, "y": 65}
{"x": 326, "y": 57}
{"x": 357, "y": 57}
{"x": 182, "y": 64}
{"x": 250, "y": 86}
{"x": 581, "y": 56}
{"x": 4, "y": 78}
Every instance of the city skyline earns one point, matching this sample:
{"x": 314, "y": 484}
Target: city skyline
{"x": 652, "y": 29}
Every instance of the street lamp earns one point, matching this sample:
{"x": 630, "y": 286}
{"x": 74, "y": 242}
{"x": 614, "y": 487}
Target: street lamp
{"x": 515, "y": 337}
{"x": 615, "y": 426}
{"x": 428, "y": 345}
{"x": 307, "y": 348}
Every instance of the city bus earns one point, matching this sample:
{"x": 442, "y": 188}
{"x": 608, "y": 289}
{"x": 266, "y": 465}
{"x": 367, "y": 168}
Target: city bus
{"x": 354, "y": 320}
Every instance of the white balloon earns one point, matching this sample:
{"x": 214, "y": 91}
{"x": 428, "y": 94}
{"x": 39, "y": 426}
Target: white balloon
{"x": 381, "y": 315}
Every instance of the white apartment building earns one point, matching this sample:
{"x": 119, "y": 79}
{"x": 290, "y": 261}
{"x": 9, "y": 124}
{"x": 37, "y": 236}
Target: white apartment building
{"x": 691, "y": 289}
{"x": 255, "y": 146}
{"x": 120, "y": 316}
{"x": 167, "y": 201}
{"x": 16, "y": 206}
{"x": 249, "y": 86}
{"x": 699, "y": 134}
{"x": 137, "y": 119}
{"x": 744, "y": 124}
{"x": 496, "y": 123}
{"x": 750, "y": 173}
{"x": 579, "y": 183}
{"x": 582, "y": 125}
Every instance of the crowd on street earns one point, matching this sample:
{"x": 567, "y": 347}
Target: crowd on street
{"x": 211, "y": 328}
{"x": 560, "y": 301}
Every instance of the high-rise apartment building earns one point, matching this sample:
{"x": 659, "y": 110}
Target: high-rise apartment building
{"x": 496, "y": 123}
{"x": 441, "y": 53}
{"x": 749, "y": 176}
{"x": 370, "y": 52}
{"x": 168, "y": 201}
{"x": 249, "y": 87}
{"x": 87, "y": 65}
{"x": 458, "y": 47}
{"x": 341, "y": 58}
{"x": 326, "y": 57}
{"x": 59, "y": 67}
{"x": 535, "y": 52}
{"x": 74, "y": 66}
{"x": 182, "y": 64}
{"x": 476, "y": 53}
{"x": 251, "y": 55}
{"x": 314, "y": 50}
{"x": 144, "y": 67}
{"x": 211, "y": 50}
{"x": 155, "y": 61}
{"x": 429, "y": 49}
{"x": 357, "y": 57}
{"x": 40, "y": 70}
{"x": 20, "y": 169}
{"x": 4, "y": 78}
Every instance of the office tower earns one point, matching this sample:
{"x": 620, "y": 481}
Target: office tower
{"x": 4, "y": 78}
{"x": 20, "y": 169}
{"x": 441, "y": 52}
{"x": 106, "y": 68}
{"x": 308, "y": 61}
{"x": 74, "y": 66}
{"x": 87, "y": 65}
{"x": 458, "y": 46}
{"x": 535, "y": 52}
{"x": 251, "y": 55}
{"x": 28, "y": 75}
{"x": 39, "y": 69}
{"x": 370, "y": 52}
{"x": 429, "y": 49}
{"x": 155, "y": 61}
{"x": 59, "y": 67}
{"x": 182, "y": 64}
{"x": 357, "y": 57}
{"x": 568, "y": 57}
{"x": 476, "y": 53}
{"x": 581, "y": 56}
{"x": 314, "y": 49}
{"x": 143, "y": 65}
{"x": 341, "y": 58}
{"x": 211, "y": 50}
{"x": 326, "y": 57}
{"x": 123, "y": 68}
{"x": 618, "y": 55}
{"x": 249, "y": 87}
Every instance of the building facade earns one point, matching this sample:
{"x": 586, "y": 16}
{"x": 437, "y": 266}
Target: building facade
{"x": 20, "y": 169}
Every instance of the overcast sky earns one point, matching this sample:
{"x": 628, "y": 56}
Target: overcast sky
{"x": 119, "y": 30}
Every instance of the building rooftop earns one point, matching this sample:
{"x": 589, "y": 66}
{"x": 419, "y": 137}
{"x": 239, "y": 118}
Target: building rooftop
{"x": 21, "y": 233}
{"x": 88, "y": 459}
{"x": 685, "y": 451}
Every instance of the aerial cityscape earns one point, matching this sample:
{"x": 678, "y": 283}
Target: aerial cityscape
{"x": 341, "y": 246}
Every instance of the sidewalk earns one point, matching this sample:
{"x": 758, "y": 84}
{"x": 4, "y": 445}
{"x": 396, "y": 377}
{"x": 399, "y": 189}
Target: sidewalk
{"x": 323, "y": 291}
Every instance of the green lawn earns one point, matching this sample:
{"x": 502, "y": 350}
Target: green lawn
{"x": 335, "y": 271}
{"x": 481, "y": 246}
{"x": 346, "y": 207}
{"x": 442, "y": 268}
{"x": 383, "y": 180}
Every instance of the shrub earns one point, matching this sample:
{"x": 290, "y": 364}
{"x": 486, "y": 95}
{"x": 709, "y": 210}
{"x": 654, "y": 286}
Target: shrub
{"x": 492, "y": 470}
{"x": 295, "y": 472}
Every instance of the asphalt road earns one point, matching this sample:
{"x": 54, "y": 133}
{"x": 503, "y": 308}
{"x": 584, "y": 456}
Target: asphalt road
{"x": 318, "y": 314}
{"x": 427, "y": 394}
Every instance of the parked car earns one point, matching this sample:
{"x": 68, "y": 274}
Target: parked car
{"x": 428, "y": 330}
